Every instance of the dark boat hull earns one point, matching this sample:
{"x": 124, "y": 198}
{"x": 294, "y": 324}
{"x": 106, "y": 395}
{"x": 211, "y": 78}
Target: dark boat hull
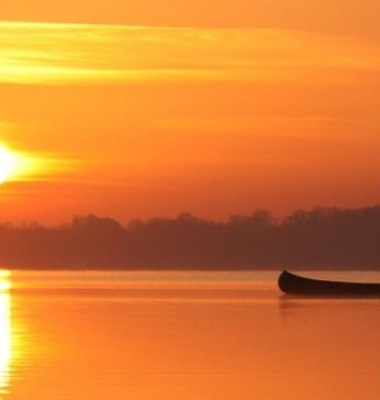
{"x": 298, "y": 285}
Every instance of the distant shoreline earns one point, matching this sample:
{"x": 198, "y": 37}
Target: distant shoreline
{"x": 274, "y": 269}
{"x": 319, "y": 239}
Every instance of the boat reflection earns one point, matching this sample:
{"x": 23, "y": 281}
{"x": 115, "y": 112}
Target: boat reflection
{"x": 5, "y": 332}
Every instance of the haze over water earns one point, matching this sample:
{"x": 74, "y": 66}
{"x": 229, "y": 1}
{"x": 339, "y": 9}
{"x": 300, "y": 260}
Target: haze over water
{"x": 182, "y": 335}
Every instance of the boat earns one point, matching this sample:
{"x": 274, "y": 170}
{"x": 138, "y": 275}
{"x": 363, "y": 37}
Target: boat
{"x": 293, "y": 284}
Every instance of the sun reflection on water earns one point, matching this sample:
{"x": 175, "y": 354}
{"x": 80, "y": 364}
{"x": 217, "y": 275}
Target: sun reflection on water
{"x": 5, "y": 331}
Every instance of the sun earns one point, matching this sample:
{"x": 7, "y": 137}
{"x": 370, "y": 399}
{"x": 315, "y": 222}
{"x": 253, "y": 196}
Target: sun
{"x": 7, "y": 163}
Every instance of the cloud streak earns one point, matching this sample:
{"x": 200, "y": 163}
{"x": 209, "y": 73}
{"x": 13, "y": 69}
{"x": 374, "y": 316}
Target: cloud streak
{"x": 43, "y": 53}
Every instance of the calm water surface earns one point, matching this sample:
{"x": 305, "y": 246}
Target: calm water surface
{"x": 190, "y": 335}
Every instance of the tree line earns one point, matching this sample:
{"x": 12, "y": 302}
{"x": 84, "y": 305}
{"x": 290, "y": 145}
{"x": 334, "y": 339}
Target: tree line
{"x": 322, "y": 238}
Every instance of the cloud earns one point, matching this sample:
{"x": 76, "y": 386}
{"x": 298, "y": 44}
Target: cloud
{"x": 43, "y": 53}
{"x": 256, "y": 124}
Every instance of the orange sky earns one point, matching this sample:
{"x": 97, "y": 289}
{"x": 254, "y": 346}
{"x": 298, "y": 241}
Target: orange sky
{"x": 134, "y": 110}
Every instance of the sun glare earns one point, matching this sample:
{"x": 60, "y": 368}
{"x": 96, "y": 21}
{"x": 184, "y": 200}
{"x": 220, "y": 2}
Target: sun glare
{"x": 15, "y": 165}
{"x": 7, "y": 163}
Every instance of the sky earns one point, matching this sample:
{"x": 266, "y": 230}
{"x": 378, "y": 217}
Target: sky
{"x": 133, "y": 109}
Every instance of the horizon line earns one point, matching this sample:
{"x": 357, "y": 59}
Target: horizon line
{"x": 184, "y": 214}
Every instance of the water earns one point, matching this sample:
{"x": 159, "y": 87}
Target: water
{"x": 182, "y": 335}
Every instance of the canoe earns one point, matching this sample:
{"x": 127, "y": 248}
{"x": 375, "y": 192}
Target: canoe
{"x": 298, "y": 285}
